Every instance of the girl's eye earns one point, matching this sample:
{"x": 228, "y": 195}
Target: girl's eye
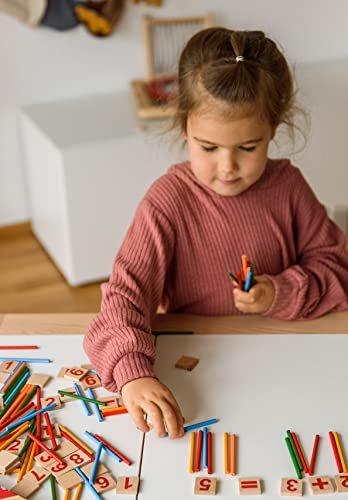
{"x": 248, "y": 149}
{"x": 210, "y": 148}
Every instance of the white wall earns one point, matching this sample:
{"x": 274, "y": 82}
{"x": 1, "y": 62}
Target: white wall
{"x": 38, "y": 65}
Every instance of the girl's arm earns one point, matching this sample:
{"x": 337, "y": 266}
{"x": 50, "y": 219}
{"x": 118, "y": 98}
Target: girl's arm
{"x": 119, "y": 341}
{"x": 318, "y": 283}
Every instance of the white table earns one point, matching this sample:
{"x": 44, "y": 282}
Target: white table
{"x": 258, "y": 386}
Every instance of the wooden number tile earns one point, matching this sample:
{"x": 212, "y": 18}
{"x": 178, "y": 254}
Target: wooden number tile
{"x": 8, "y": 366}
{"x": 3, "y": 377}
{"x": 58, "y": 469}
{"x": 69, "y": 480}
{"x": 249, "y": 486}
{"x": 26, "y": 487}
{"x": 88, "y": 366}
{"x": 187, "y": 363}
{"x": 16, "y": 446}
{"x": 45, "y": 460}
{"x": 75, "y": 373}
{"x": 127, "y": 485}
{"x": 66, "y": 399}
{"x": 77, "y": 459}
{"x": 65, "y": 448}
{"x": 104, "y": 482}
{"x": 91, "y": 381}
{"x": 4, "y": 494}
{"x": 7, "y": 461}
{"x": 111, "y": 401}
{"x": 205, "y": 486}
{"x": 44, "y": 431}
{"x": 38, "y": 379}
{"x": 341, "y": 483}
{"x": 37, "y": 474}
{"x": 51, "y": 399}
{"x": 291, "y": 487}
{"x": 321, "y": 485}
{"x": 87, "y": 469}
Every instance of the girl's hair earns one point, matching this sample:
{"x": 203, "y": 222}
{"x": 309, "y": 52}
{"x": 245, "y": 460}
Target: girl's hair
{"x": 210, "y": 76}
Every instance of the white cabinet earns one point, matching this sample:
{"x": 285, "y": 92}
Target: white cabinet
{"x": 88, "y": 163}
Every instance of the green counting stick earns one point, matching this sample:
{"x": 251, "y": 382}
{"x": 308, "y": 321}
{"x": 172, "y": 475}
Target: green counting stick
{"x": 82, "y": 398}
{"x": 293, "y": 457}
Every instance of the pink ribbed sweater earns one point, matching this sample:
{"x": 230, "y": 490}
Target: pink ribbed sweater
{"x": 183, "y": 240}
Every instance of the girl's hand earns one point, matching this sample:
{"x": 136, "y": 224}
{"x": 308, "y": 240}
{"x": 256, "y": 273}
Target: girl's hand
{"x": 148, "y": 395}
{"x": 258, "y": 300}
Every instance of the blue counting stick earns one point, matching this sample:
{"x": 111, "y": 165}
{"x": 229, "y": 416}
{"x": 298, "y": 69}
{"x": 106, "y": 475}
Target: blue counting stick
{"x": 87, "y": 483}
{"x": 27, "y": 360}
{"x": 85, "y": 406}
{"x": 91, "y": 394}
{"x": 204, "y": 461}
{"x": 247, "y": 284}
{"x": 96, "y": 463}
{"x": 198, "y": 425}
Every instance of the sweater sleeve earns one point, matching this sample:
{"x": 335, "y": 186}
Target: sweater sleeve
{"x": 318, "y": 282}
{"x": 119, "y": 341}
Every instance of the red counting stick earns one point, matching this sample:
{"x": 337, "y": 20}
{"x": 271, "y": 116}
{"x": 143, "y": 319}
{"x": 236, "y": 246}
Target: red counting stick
{"x": 335, "y": 451}
{"x": 197, "y": 466}
{"x": 300, "y": 452}
{"x": 210, "y": 453}
{"x": 118, "y": 453}
{"x": 314, "y": 455}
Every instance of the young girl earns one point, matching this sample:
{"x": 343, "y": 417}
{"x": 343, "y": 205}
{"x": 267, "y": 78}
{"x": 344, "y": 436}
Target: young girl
{"x": 194, "y": 223}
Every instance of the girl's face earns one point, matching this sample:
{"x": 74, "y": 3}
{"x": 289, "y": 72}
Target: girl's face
{"x": 227, "y": 156}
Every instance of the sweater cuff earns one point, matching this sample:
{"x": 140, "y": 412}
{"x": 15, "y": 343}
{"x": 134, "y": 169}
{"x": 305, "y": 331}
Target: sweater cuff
{"x": 283, "y": 290}
{"x": 132, "y": 366}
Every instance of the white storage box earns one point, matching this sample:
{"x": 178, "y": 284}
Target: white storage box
{"x": 87, "y": 165}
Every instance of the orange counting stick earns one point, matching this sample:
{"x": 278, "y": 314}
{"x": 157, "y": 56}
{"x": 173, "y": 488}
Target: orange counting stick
{"x": 76, "y": 441}
{"x": 314, "y": 455}
{"x": 25, "y": 462}
{"x": 50, "y": 431}
{"x": 10, "y": 438}
{"x": 233, "y": 450}
{"x": 210, "y": 453}
{"x": 245, "y": 265}
{"x": 226, "y": 454}
{"x": 14, "y": 405}
{"x": 46, "y": 449}
{"x": 114, "y": 412}
{"x": 299, "y": 451}
{"x": 197, "y": 466}
{"x": 31, "y": 459}
{"x": 192, "y": 452}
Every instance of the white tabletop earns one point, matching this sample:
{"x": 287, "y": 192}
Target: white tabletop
{"x": 118, "y": 430}
{"x": 258, "y": 386}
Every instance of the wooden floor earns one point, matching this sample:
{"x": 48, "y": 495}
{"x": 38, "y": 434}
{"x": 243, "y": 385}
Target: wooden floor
{"x": 31, "y": 283}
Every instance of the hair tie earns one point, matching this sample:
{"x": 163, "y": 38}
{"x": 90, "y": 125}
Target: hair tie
{"x": 239, "y": 58}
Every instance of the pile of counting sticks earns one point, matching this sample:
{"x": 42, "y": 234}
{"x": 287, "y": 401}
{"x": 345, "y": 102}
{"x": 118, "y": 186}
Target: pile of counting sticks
{"x": 201, "y": 446}
{"x": 26, "y": 426}
{"x": 245, "y": 277}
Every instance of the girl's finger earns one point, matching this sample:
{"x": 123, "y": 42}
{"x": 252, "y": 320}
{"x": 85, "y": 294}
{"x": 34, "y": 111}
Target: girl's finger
{"x": 137, "y": 415}
{"x": 156, "y": 416}
{"x": 179, "y": 418}
{"x": 243, "y": 297}
{"x": 170, "y": 418}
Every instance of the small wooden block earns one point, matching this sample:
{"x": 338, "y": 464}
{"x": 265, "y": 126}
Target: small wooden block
{"x": 62, "y": 371}
{"x": 341, "y": 482}
{"x": 8, "y": 366}
{"x": 66, "y": 399}
{"x": 104, "y": 482}
{"x": 91, "y": 381}
{"x": 321, "y": 485}
{"x": 75, "y": 373}
{"x": 51, "y": 399}
{"x": 249, "y": 486}
{"x": 3, "y": 377}
{"x": 187, "y": 363}
{"x": 38, "y": 379}
{"x": 26, "y": 487}
{"x": 77, "y": 459}
{"x": 127, "y": 484}
{"x": 205, "y": 486}
{"x": 37, "y": 474}
{"x": 65, "y": 448}
{"x": 111, "y": 401}
{"x": 7, "y": 461}
{"x": 45, "y": 460}
{"x": 87, "y": 469}
{"x": 16, "y": 446}
{"x": 69, "y": 480}
{"x": 88, "y": 367}
{"x": 291, "y": 487}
